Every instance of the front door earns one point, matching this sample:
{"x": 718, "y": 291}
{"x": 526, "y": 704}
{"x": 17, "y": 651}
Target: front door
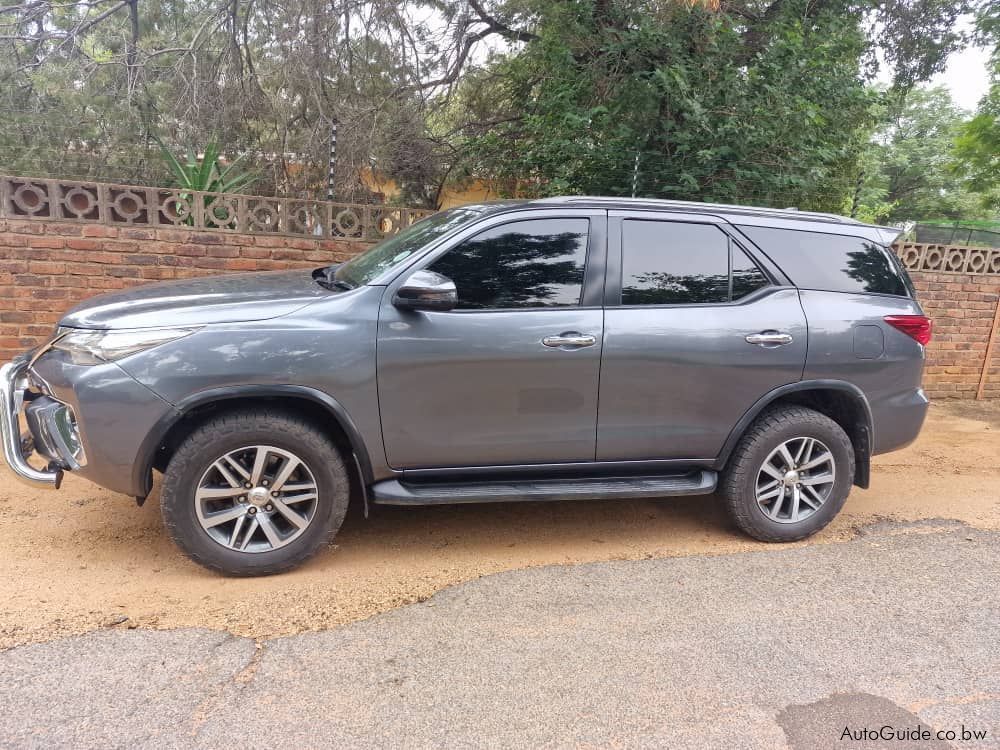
{"x": 694, "y": 333}
{"x": 511, "y": 375}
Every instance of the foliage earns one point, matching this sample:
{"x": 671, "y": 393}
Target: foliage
{"x": 908, "y": 168}
{"x": 750, "y": 100}
{"x": 978, "y": 148}
{"x": 919, "y": 35}
{"x": 83, "y": 89}
{"x": 679, "y": 89}
{"x": 978, "y": 144}
{"x": 207, "y": 174}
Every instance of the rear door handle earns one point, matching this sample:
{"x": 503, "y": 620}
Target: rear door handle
{"x": 769, "y": 338}
{"x": 569, "y": 339}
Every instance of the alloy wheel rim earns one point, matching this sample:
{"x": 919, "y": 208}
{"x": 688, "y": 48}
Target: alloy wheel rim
{"x": 795, "y": 480}
{"x": 258, "y": 498}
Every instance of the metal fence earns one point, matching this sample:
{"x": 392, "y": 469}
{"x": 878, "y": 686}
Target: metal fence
{"x": 955, "y": 235}
{"x": 129, "y": 205}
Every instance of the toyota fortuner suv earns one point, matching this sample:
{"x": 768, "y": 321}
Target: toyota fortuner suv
{"x": 559, "y": 349}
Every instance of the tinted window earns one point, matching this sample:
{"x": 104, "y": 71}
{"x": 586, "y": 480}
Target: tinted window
{"x": 534, "y": 263}
{"x": 670, "y": 263}
{"x": 746, "y": 276}
{"x": 831, "y": 262}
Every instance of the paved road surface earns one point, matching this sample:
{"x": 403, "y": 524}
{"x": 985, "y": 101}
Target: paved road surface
{"x": 768, "y": 649}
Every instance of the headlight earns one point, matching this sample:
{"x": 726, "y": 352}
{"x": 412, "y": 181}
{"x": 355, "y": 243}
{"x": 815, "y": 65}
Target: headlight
{"x": 91, "y": 347}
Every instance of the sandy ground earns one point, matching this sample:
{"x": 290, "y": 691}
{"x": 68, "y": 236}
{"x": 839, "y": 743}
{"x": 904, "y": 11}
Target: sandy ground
{"x": 82, "y": 558}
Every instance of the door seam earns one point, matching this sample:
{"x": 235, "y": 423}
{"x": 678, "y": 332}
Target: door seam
{"x": 600, "y": 368}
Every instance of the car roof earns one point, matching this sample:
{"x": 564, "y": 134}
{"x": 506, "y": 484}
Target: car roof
{"x": 787, "y": 218}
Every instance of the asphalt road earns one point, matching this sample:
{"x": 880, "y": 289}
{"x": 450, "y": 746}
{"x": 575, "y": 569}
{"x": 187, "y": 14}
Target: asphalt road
{"x": 765, "y": 649}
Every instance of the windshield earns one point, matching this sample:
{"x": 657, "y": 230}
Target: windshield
{"x": 386, "y": 254}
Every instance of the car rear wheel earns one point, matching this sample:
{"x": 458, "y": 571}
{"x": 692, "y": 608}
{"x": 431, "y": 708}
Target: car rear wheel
{"x": 789, "y": 475}
{"x": 254, "y": 493}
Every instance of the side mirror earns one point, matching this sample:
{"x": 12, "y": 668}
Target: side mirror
{"x": 426, "y": 290}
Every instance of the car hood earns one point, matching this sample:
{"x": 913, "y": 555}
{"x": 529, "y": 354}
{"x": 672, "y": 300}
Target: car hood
{"x": 215, "y": 299}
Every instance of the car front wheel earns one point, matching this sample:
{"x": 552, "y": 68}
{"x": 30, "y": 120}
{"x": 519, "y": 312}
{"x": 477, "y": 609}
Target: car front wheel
{"x": 789, "y": 475}
{"x": 254, "y": 493}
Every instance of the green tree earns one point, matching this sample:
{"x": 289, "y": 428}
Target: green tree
{"x": 756, "y": 100}
{"x": 750, "y": 102}
{"x": 85, "y": 88}
{"x": 978, "y": 144}
{"x": 909, "y": 171}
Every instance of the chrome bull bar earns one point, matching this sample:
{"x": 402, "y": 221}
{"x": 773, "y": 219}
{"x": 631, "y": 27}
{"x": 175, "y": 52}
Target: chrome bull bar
{"x": 13, "y": 383}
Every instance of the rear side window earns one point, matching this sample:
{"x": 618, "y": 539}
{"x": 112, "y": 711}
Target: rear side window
{"x": 535, "y": 263}
{"x": 831, "y": 262}
{"x": 674, "y": 263}
{"x": 746, "y": 276}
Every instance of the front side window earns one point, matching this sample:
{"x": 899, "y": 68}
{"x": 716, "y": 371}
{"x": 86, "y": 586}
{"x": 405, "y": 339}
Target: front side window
{"x": 531, "y": 263}
{"x": 674, "y": 263}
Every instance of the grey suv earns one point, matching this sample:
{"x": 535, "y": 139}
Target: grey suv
{"x": 555, "y": 349}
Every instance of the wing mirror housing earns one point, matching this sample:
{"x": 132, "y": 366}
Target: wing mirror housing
{"x": 426, "y": 290}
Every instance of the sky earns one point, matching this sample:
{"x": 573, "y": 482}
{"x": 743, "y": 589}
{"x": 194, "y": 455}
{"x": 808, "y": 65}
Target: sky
{"x": 967, "y": 76}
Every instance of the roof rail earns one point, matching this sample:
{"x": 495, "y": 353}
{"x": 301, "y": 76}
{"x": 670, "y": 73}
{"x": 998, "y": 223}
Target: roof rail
{"x": 699, "y": 206}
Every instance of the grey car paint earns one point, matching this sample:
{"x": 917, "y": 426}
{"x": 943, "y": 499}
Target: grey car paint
{"x": 114, "y": 415}
{"x": 891, "y": 381}
{"x": 473, "y": 388}
{"x": 214, "y": 299}
{"x": 328, "y": 346}
{"x": 675, "y": 379}
{"x": 283, "y": 331}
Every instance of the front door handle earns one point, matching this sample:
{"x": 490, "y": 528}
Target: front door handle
{"x": 570, "y": 339}
{"x": 769, "y": 338}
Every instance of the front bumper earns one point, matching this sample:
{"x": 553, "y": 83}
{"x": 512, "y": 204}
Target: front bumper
{"x": 96, "y": 421}
{"x": 13, "y": 384}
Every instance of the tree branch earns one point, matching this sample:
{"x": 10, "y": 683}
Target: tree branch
{"x": 501, "y": 28}
{"x": 757, "y": 33}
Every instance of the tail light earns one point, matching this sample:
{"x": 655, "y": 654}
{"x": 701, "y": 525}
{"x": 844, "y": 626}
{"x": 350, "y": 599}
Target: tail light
{"x": 917, "y": 327}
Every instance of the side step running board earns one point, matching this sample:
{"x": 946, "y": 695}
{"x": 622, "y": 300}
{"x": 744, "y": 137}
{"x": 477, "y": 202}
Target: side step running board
{"x": 394, "y": 492}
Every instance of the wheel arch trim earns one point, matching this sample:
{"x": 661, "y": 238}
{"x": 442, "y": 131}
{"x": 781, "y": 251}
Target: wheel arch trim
{"x": 142, "y": 471}
{"x": 862, "y": 450}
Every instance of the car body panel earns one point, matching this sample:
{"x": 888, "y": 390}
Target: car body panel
{"x": 675, "y": 379}
{"x": 471, "y": 388}
{"x": 891, "y": 380}
{"x": 114, "y": 415}
{"x": 213, "y": 299}
{"x": 328, "y": 346}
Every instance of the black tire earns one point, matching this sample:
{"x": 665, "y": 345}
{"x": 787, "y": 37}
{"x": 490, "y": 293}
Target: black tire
{"x": 769, "y": 431}
{"x": 232, "y": 431}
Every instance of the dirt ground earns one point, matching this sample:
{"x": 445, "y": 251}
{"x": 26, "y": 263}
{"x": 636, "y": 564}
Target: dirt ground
{"x": 83, "y": 558}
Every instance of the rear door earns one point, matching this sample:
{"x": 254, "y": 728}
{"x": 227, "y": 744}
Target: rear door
{"x": 510, "y": 376}
{"x": 696, "y": 330}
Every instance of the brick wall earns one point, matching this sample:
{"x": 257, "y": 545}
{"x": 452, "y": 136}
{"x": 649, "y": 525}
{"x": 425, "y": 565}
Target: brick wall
{"x": 962, "y": 307}
{"x": 46, "y": 267}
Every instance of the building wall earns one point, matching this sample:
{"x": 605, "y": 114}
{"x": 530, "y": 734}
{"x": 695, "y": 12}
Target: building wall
{"x": 47, "y": 266}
